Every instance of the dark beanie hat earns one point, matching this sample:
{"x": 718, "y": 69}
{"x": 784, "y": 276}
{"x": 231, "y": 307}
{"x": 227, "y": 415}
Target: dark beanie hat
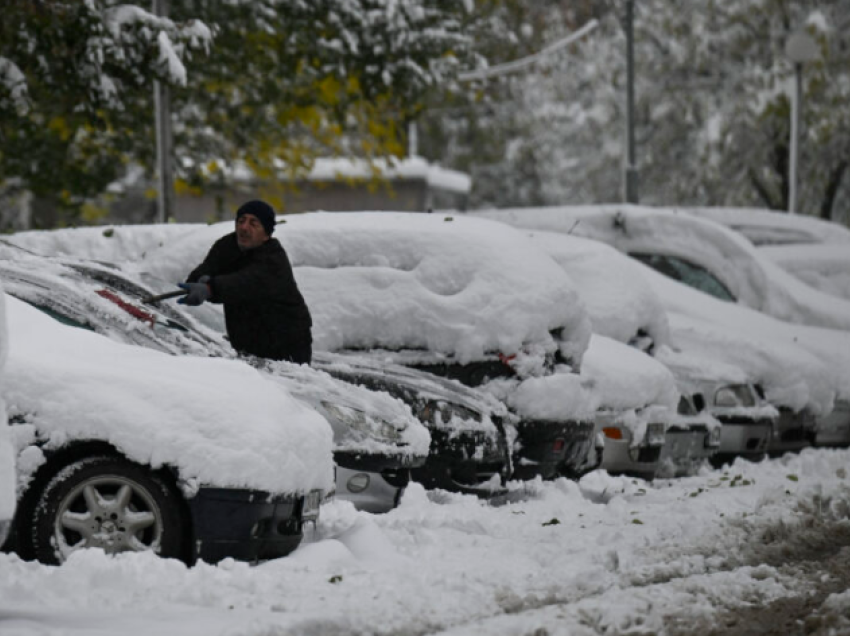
{"x": 262, "y": 210}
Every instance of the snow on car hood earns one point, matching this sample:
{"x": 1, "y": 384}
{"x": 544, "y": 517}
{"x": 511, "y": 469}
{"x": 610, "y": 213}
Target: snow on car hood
{"x": 7, "y": 455}
{"x": 447, "y": 284}
{"x": 363, "y": 420}
{"x": 614, "y": 377}
{"x": 218, "y": 422}
{"x": 753, "y": 279}
{"x": 618, "y": 300}
{"x": 75, "y": 289}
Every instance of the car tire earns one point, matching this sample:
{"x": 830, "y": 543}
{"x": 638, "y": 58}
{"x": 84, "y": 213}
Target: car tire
{"x": 106, "y": 502}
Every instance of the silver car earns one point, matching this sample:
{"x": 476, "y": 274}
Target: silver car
{"x": 621, "y": 453}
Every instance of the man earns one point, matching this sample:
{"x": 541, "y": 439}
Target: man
{"x": 249, "y": 273}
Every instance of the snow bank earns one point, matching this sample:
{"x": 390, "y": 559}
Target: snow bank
{"x": 754, "y": 280}
{"x": 450, "y": 285}
{"x": 606, "y": 555}
{"x": 219, "y": 422}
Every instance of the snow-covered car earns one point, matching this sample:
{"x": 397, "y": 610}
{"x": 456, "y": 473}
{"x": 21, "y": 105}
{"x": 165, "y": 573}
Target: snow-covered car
{"x": 691, "y": 440}
{"x": 815, "y": 251}
{"x": 454, "y": 296}
{"x": 374, "y": 434}
{"x": 814, "y": 362}
{"x": 125, "y": 448}
{"x": 469, "y": 429}
{"x": 693, "y": 250}
{"x": 636, "y": 400}
{"x": 624, "y": 309}
{"x": 7, "y": 455}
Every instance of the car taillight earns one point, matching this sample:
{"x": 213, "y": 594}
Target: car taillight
{"x": 559, "y": 445}
{"x": 506, "y": 360}
{"x": 612, "y": 432}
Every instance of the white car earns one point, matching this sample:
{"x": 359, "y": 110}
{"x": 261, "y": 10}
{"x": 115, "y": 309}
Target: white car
{"x": 125, "y": 448}
{"x": 376, "y": 437}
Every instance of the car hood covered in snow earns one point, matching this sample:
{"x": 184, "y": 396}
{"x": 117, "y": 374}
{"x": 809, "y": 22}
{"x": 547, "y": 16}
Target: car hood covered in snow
{"x": 218, "y": 422}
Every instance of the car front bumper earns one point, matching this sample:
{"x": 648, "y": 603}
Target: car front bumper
{"x": 374, "y": 492}
{"x": 834, "y": 429}
{"x": 465, "y": 462}
{"x": 246, "y": 525}
{"x": 742, "y": 437}
{"x": 792, "y": 432}
{"x": 549, "y": 449}
{"x": 684, "y": 451}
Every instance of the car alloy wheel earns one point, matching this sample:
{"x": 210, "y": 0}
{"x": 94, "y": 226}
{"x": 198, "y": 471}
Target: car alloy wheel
{"x": 109, "y": 503}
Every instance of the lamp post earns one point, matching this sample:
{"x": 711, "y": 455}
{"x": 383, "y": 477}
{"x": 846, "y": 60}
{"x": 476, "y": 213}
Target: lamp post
{"x": 799, "y": 48}
{"x": 162, "y": 115}
{"x": 630, "y": 176}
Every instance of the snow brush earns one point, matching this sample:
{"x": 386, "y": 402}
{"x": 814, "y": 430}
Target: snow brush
{"x": 150, "y": 300}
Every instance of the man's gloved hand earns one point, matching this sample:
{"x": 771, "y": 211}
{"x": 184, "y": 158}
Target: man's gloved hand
{"x": 198, "y": 292}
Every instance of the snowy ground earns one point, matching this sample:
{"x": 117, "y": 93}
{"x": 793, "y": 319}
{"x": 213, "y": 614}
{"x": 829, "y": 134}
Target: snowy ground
{"x": 754, "y": 548}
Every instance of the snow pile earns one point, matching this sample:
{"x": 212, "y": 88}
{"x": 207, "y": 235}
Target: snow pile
{"x": 111, "y": 243}
{"x": 751, "y": 278}
{"x": 219, "y": 422}
{"x": 824, "y": 267}
{"x": 626, "y": 378}
{"x": 7, "y": 455}
{"x": 450, "y": 285}
{"x": 606, "y": 555}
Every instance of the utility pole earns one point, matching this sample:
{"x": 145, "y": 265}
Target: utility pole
{"x": 799, "y": 48}
{"x": 630, "y": 176}
{"x": 162, "y": 116}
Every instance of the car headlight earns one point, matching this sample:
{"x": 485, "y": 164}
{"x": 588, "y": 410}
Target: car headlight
{"x": 713, "y": 437}
{"x": 655, "y": 434}
{"x": 359, "y": 421}
{"x": 733, "y": 395}
{"x": 437, "y": 413}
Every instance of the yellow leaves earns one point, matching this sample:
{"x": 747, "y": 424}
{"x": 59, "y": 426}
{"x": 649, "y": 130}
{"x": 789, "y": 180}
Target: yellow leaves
{"x": 184, "y": 188}
{"x": 330, "y": 90}
{"x": 151, "y": 193}
{"x": 91, "y": 213}
{"x": 59, "y": 125}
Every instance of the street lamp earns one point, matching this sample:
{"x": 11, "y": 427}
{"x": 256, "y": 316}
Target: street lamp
{"x": 800, "y": 48}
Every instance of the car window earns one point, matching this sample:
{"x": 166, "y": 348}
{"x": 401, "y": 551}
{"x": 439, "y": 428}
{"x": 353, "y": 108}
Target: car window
{"x": 65, "y": 320}
{"x": 688, "y": 273}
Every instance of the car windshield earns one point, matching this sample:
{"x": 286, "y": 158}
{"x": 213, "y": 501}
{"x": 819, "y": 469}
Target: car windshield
{"x": 688, "y": 273}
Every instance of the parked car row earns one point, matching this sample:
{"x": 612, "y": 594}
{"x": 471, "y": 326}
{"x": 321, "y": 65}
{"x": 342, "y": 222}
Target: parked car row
{"x": 458, "y": 352}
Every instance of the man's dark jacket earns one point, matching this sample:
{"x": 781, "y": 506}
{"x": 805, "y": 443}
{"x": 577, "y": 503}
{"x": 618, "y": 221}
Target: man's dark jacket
{"x": 264, "y": 311}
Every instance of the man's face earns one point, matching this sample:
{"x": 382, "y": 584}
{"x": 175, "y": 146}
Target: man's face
{"x": 250, "y": 233}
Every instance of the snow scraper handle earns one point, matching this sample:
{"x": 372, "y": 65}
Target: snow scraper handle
{"x": 172, "y": 294}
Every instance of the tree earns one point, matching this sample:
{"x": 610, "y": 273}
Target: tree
{"x": 66, "y": 69}
{"x": 712, "y": 110}
{"x": 284, "y": 81}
